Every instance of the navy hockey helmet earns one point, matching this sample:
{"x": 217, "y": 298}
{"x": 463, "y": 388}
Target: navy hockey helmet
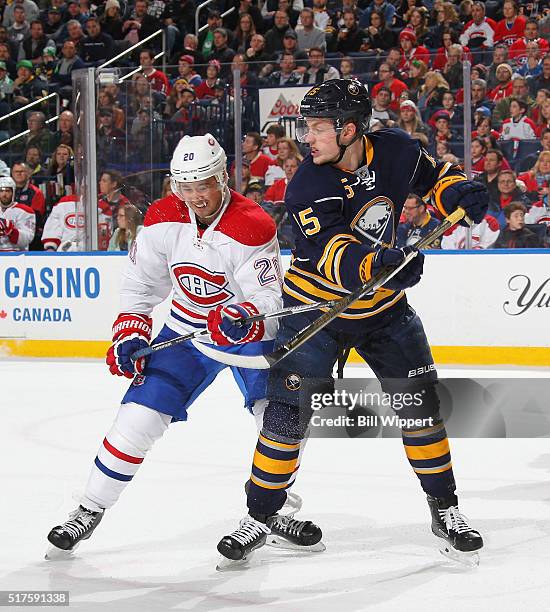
{"x": 342, "y": 100}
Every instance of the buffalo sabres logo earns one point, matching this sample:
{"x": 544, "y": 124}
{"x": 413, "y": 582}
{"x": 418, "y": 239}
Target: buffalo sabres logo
{"x": 201, "y": 286}
{"x": 353, "y": 89}
{"x": 293, "y": 382}
{"x": 373, "y": 220}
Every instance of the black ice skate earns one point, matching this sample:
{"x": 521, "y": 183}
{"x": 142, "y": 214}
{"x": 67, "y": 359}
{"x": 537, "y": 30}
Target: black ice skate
{"x": 291, "y": 534}
{"x": 237, "y": 547}
{"x": 64, "y": 539}
{"x": 461, "y": 541}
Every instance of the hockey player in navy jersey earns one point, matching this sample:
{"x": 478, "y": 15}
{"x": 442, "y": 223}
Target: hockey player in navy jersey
{"x": 216, "y": 254}
{"x": 345, "y": 202}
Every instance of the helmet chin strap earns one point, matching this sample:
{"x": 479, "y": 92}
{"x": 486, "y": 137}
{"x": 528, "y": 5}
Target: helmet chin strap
{"x": 343, "y": 148}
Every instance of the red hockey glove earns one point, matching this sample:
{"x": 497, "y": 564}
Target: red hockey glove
{"x": 131, "y": 332}
{"x": 7, "y": 228}
{"x": 222, "y": 328}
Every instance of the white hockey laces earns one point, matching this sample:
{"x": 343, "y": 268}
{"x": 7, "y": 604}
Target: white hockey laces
{"x": 454, "y": 520}
{"x": 288, "y": 525}
{"x": 78, "y": 523}
{"x": 249, "y": 529}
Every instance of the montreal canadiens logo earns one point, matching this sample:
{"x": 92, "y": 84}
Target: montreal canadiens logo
{"x": 201, "y": 286}
{"x": 373, "y": 220}
{"x": 74, "y": 221}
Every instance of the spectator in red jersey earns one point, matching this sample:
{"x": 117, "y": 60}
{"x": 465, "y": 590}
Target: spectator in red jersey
{"x": 386, "y": 74}
{"x": 275, "y": 194}
{"x": 518, "y": 126}
{"x": 205, "y": 91}
{"x": 537, "y": 180}
{"x": 252, "y": 150}
{"x": 478, "y": 150}
{"x": 410, "y": 51}
{"x": 480, "y": 31}
{"x": 512, "y": 27}
{"x": 448, "y": 38}
{"x": 516, "y": 235}
{"x": 504, "y": 87}
{"x": 157, "y": 78}
{"x": 518, "y": 50}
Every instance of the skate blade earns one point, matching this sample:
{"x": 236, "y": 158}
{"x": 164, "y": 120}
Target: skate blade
{"x": 53, "y": 553}
{"x": 465, "y": 558}
{"x": 279, "y": 542}
{"x": 229, "y": 565}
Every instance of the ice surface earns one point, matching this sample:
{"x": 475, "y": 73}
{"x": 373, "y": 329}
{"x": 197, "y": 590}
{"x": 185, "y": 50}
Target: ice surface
{"x": 156, "y": 549}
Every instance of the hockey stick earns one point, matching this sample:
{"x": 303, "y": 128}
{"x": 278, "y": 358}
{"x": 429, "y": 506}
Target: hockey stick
{"x": 263, "y": 362}
{"x": 284, "y": 312}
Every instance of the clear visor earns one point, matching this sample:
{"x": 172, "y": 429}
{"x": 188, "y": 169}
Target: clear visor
{"x": 303, "y": 129}
{"x": 197, "y": 189}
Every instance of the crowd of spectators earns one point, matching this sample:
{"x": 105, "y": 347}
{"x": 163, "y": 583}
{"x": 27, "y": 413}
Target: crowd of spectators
{"x": 409, "y": 52}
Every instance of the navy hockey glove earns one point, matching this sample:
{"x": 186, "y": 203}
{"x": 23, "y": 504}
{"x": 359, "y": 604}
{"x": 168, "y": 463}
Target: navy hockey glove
{"x": 471, "y": 195}
{"x": 408, "y": 276}
{"x": 131, "y": 332}
{"x": 222, "y": 328}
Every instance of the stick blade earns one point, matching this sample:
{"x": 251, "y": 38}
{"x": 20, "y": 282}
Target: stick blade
{"x": 253, "y": 362}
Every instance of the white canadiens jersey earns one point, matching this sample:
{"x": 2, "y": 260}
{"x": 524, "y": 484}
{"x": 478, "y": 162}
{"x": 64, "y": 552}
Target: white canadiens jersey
{"x": 24, "y": 220}
{"x": 484, "y": 235}
{"x": 60, "y": 229}
{"x": 236, "y": 259}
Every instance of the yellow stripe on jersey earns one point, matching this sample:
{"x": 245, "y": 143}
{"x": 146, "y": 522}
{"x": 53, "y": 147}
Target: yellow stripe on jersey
{"x": 428, "y": 451}
{"x": 365, "y": 267}
{"x": 274, "y": 466}
{"x": 325, "y": 264}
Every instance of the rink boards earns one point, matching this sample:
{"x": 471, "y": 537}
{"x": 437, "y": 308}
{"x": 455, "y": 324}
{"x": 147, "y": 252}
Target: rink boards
{"x": 477, "y": 307}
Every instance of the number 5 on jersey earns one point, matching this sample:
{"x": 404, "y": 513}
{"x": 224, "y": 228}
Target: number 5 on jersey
{"x": 308, "y": 219}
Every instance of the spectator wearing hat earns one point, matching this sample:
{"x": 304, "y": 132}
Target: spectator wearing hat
{"x": 222, "y": 52}
{"x": 20, "y": 26}
{"x": 111, "y": 20}
{"x": 52, "y": 22}
{"x": 410, "y": 51}
{"x": 205, "y": 90}
{"x": 111, "y": 141}
{"x": 442, "y": 131}
{"x": 287, "y": 75}
{"x": 290, "y": 45}
{"x": 500, "y": 56}
{"x": 410, "y": 121}
{"x": 206, "y": 37}
{"x": 186, "y": 70}
{"x": 97, "y": 47}
{"x": 49, "y": 63}
{"x": 518, "y": 126}
{"x": 386, "y": 73}
{"x": 274, "y": 36}
{"x": 479, "y": 32}
{"x": 512, "y": 26}
{"x": 179, "y": 95}
{"x": 73, "y": 10}
{"x": 318, "y": 71}
{"x": 26, "y": 87}
{"x": 158, "y": 80}
{"x": 254, "y": 190}
{"x": 34, "y": 43}
{"x": 309, "y": 35}
{"x": 504, "y": 88}
{"x": 29, "y": 7}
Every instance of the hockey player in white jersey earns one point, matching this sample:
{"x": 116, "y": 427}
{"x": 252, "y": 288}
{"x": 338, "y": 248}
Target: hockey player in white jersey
{"x": 17, "y": 221}
{"x": 216, "y": 254}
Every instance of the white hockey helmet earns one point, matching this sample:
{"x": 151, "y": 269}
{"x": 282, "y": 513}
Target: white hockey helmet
{"x": 6, "y": 182}
{"x": 197, "y": 158}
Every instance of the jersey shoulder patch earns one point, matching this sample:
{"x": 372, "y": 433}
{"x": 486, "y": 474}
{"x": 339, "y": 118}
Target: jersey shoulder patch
{"x": 167, "y": 210}
{"x": 246, "y": 222}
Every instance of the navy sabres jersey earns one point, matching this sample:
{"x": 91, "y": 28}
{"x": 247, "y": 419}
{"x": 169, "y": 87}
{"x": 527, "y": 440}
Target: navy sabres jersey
{"x": 340, "y": 218}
